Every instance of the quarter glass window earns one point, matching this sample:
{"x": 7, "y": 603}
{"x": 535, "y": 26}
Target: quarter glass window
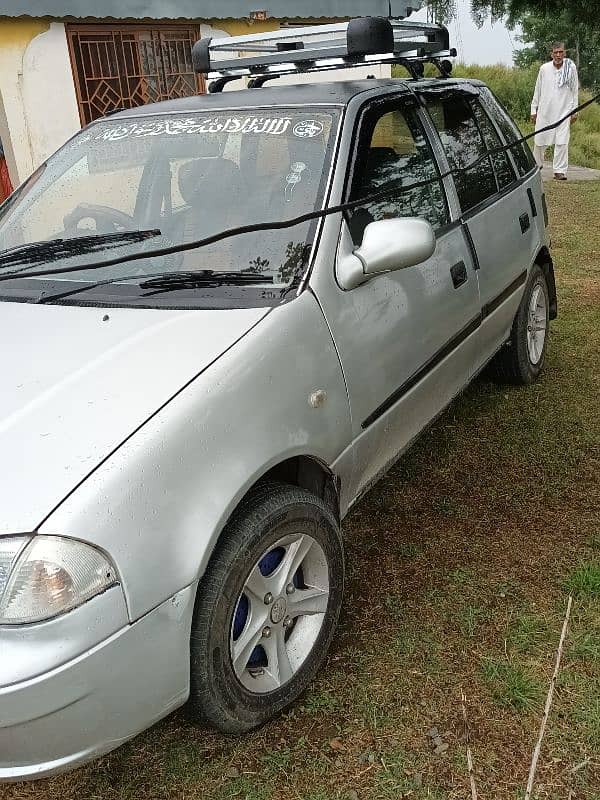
{"x": 504, "y": 171}
{"x": 521, "y": 152}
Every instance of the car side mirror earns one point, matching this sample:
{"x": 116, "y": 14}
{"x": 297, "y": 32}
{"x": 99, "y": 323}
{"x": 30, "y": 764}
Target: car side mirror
{"x": 387, "y": 245}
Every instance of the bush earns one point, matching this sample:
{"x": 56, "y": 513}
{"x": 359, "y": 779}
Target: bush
{"x": 513, "y": 87}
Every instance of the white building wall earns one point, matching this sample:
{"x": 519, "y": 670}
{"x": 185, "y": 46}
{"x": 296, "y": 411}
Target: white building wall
{"x": 48, "y": 92}
{"x": 38, "y": 104}
{"x": 14, "y": 131}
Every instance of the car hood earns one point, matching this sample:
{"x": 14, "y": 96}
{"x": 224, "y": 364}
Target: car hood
{"x": 76, "y": 382}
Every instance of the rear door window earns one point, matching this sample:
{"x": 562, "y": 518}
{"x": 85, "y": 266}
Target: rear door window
{"x": 463, "y": 144}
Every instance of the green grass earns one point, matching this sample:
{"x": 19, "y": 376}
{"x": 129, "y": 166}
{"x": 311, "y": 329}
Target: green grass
{"x": 246, "y": 788}
{"x": 440, "y": 603}
{"x": 321, "y": 702}
{"x": 471, "y": 618}
{"x": 585, "y": 580}
{"x": 512, "y": 686}
{"x": 530, "y": 634}
{"x": 586, "y": 645}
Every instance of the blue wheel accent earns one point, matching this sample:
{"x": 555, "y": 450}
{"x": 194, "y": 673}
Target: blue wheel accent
{"x": 240, "y": 617}
{"x": 258, "y": 657}
{"x": 269, "y": 563}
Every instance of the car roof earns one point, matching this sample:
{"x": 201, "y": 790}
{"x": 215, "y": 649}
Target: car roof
{"x": 338, "y": 93}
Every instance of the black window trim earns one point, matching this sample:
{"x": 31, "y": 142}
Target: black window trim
{"x": 469, "y": 102}
{"x": 472, "y": 212}
{"x": 464, "y": 216}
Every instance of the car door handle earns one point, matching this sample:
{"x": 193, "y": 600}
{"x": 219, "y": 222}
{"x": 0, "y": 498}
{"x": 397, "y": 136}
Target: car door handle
{"x": 459, "y": 274}
{"x": 525, "y": 223}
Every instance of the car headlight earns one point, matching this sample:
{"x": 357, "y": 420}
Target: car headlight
{"x": 43, "y": 576}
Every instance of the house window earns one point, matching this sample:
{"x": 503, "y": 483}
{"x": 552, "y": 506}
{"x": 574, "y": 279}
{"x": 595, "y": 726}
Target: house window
{"x": 128, "y": 66}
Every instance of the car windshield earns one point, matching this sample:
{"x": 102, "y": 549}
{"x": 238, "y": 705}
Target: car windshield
{"x": 189, "y": 176}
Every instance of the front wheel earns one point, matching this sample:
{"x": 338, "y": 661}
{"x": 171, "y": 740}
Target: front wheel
{"x": 266, "y": 608}
{"x": 522, "y": 359}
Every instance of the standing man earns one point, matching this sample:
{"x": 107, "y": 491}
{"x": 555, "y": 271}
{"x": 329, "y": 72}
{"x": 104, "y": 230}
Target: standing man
{"x": 556, "y": 95}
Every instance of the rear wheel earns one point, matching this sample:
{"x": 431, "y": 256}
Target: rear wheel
{"x": 522, "y": 359}
{"x": 266, "y": 608}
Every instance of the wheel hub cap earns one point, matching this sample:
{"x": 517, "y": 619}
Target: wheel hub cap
{"x": 279, "y": 613}
{"x": 278, "y": 610}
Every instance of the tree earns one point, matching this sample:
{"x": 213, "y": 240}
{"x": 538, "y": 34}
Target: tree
{"x": 577, "y": 11}
{"x": 582, "y": 41}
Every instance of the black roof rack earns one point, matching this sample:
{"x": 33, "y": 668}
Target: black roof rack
{"x": 317, "y": 48}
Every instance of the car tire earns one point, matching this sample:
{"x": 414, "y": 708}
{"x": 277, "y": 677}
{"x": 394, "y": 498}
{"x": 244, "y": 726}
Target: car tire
{"x": 248, "y": 661}
{"x": 521, "y": 360}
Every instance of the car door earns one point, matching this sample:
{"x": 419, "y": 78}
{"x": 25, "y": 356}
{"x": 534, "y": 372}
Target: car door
{"x": 494, "y": 207}
{"x": 530, "y": 184}
{"x": 404, "y": 337}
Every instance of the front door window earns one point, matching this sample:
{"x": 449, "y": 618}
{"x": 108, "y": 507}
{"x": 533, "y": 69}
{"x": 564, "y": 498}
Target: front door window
{"x": 394, "y": 156}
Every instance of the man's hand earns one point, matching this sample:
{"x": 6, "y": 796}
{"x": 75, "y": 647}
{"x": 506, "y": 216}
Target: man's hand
{"x": 574, "y": 117}
{"x": 534, "y": 118}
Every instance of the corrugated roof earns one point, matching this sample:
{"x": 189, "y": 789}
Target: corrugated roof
{"x": 204, "y": 9}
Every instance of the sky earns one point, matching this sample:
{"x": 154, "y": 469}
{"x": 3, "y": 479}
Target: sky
{"x": 492, "y": 44}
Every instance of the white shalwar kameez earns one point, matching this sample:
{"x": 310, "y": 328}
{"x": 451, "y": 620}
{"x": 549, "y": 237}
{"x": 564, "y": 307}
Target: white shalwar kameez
{"x": 556, "y": 95}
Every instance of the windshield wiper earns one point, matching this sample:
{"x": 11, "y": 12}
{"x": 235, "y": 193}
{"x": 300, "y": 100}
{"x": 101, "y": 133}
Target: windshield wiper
{"x": 170, "y": 282}
{"x": 55, "y": 249}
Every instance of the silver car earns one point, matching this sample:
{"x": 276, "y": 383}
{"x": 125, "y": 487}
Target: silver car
{"x": 184, "y": 427}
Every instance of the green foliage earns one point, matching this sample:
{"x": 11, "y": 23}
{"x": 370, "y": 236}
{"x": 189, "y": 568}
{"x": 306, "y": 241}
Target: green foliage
{"x": 578, "y": 10}
{"x": 513, "y": 87}
{"x": 542, "y": 22}
{"x": 582, "y": 41}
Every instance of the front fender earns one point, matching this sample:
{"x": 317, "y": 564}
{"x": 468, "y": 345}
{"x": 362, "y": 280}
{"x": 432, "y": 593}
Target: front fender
{"x": 159, "y": 503}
